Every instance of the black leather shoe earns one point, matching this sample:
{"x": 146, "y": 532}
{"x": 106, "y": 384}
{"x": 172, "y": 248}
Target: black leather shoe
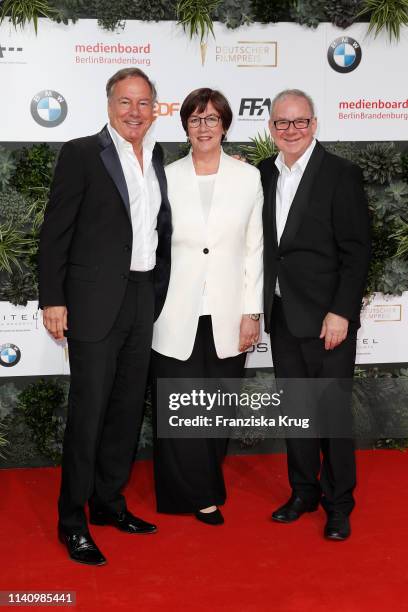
{"x": 210, "y": 518}
{"x": 293, "y": 510}
{"x": 81, "y": 548}
{"x": 125, "y": 521}
{"x": 337, "y": 526}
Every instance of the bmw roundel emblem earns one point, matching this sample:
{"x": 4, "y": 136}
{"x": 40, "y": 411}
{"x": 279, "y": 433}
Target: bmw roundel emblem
{"x": 10, "y": 355}
{"x": 344, "y": 54}
{"x": 49, "y": 108}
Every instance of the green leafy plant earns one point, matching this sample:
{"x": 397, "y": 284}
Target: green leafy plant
{"x": 21, "y": 12}
{"x": 232, "y": 148}
{"x": 383, "y": 248}
{"x": 342, "y": 13}
{"x": 394, "y": 279}
{"x": 380, "y": 162}
{"x": 272, "y": 11}
{"x": 401, "y": 236}
{"x": 249, "y": 437}
{"x": 155, "y": 10}
{"x": 261, "y": 148}
{"x": 8, "y": 398}
{"x": 388, "y": 205}
{"x": 404, "y": 167}
{"x": 309, "y": 13}
{"x": 146, "y": 431}
{"x": 66, "y": 10}
{"x": 3, "y": 440}
{"x": 18, "y": 288}
{"x": 388, "y": 15}
{"x": 234, "y": 13}
{"x": 14, "y": 208}
{"x": 171, "y": 156}
{"x": 34, "y": 170}
{"x": 43, "y": 405}
{"x": 379, "y": 405}
{"x": 111, "y": 15}
{"x": 195, "y": 16}
{"x": 7, "y": 167}
{"x": 14, "y": 246}
{"x": 36, "y": 210}
{"x": 343, "y": 149}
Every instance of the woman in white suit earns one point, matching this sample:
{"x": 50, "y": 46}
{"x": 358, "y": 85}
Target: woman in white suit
{"x": 211, "y": 314}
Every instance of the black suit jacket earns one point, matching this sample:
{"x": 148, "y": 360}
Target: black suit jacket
{"x": 323, "y": 255}
{"x": 86, "y": 238}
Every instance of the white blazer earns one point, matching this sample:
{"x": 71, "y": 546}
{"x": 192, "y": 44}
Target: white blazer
{"x": 232, "y": 268}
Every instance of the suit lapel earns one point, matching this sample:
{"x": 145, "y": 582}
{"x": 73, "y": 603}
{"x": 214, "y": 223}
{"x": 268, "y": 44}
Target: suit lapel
{"x": 270, "y": 175}
{"x": 302, "y": 197}
{"x": 161, "y": 176}
{"x": 193, "y": 196}
{"x": 220, "y": 196}
{"x": 272, "y": 200}
{"x": 110, "y": 159}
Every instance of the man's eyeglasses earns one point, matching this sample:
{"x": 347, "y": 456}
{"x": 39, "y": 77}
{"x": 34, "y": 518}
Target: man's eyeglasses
{"x": 210, "y": 121}
{"x": 284, "y": 124}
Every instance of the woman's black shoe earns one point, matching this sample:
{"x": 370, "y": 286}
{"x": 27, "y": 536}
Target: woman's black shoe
{"x": 210, "y": 518}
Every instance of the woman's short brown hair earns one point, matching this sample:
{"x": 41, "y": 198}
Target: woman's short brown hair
{"x": 198, "y": 99}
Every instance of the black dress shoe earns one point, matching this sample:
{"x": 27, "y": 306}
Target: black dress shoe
{"x": 337, "y": 526}
{"x": 293, "y": 510}
{"x": 210, "y": 518}
{"x": 125, "y": 521}
{"x": 81, "y": 548}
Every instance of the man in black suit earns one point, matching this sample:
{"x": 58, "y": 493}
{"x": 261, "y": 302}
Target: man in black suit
{"x": 316, "y": 256}
{"x": 104, "y": 266}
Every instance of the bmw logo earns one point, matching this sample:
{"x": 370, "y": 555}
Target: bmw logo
{"x": 344, "y": 54}
{"x": 49, "y": 108}
{"x": 10, "y": 355}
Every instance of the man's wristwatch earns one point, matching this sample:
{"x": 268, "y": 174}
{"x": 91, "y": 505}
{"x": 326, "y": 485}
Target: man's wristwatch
{"x": 254, "y": 317}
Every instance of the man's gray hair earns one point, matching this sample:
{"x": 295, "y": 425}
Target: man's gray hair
{"x": 127, "y": 73}
{"x": 298, "y": 93}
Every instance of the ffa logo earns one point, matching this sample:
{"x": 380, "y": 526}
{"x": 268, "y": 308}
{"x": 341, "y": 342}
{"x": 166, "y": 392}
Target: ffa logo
{"x": 49, "y": 108}
{"x": 10, "y": 355}
{"x": 344, "y": 54}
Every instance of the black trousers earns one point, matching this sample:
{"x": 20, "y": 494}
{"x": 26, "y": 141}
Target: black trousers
{"x": 333, "y": 478}
{"x": 188, "y": 472}
{"x": 106, "y": 399}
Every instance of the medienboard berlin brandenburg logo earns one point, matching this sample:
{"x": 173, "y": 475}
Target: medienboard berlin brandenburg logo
{"x": 344, "y": 54}
{"x": 49, "y": 108}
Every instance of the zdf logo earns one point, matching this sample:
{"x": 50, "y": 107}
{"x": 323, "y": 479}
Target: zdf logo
{"x": 166, "y": 109}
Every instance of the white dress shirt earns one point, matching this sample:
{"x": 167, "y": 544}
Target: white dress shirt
{"x": 286, "y": 188}
{"x": 206, "y": 184}
{"x": 144, "y": 198}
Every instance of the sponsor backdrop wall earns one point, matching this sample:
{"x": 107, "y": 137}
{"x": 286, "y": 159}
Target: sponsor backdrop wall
{"x": 53, "y": 90}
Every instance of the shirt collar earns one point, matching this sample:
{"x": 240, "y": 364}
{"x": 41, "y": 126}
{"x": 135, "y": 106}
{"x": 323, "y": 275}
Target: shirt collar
{"x": 300, "y": 164}
{"x": 121, "y": 143}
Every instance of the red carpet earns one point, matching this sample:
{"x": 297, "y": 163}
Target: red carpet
{"x": 249, "y": 564}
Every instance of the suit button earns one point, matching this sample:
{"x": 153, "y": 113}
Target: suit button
{"x": 280, "y": 258}
{"x": 205, "y": 251}
{"x": 124, "y": 276}
{"x": 126, "y": 247}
